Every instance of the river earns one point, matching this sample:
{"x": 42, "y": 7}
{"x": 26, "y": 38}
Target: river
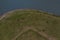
{"x": 52, "y": 6}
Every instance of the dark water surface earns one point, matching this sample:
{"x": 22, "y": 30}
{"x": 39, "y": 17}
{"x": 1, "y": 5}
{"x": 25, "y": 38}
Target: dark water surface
{"x": 52, "y": 6}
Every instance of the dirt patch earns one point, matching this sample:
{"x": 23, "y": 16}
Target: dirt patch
{"x": 33, "y": 29}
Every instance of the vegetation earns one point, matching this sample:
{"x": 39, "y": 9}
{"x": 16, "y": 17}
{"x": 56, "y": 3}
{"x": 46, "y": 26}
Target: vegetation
{"x": 13, "y": 23}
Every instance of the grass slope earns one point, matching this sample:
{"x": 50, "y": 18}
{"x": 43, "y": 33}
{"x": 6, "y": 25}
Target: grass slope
{"x": 14, "y": 22}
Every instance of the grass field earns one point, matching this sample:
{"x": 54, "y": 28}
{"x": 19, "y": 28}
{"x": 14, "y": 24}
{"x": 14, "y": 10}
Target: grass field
{"x": 29, "y": 25}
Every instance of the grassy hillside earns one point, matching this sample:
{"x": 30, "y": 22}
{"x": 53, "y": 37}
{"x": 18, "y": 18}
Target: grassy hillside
{"x": 31, "y": 24}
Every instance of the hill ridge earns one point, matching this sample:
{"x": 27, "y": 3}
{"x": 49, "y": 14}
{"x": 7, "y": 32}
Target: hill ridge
{"x": 11, "y": 12}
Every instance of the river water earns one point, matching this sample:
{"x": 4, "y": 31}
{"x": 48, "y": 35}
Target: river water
{"x": 52, "y": 6}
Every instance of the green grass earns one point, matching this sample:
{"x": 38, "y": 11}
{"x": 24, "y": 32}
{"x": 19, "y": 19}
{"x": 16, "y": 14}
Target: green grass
{"x": 13, "y": 23}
